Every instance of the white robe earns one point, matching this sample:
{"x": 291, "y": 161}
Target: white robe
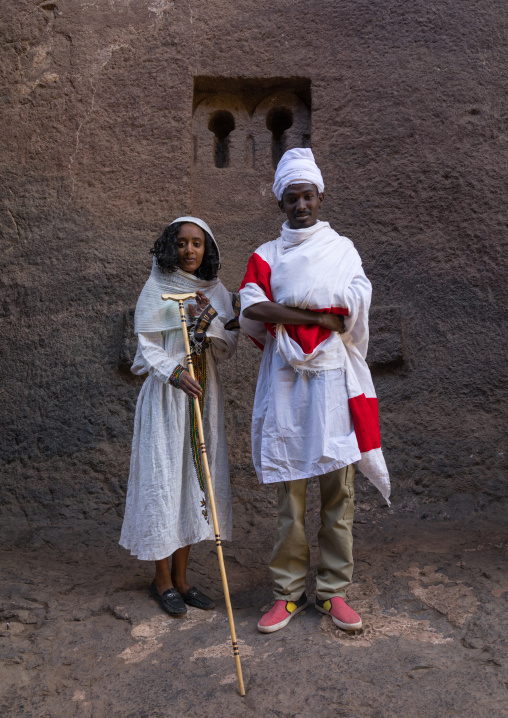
{"x": 315, "y": 408}
{"x": 164, "y": 507}
{"x": 301, "y": 423}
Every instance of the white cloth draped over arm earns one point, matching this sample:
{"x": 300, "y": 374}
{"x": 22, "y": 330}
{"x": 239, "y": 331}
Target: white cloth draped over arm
{"x": 358, "y": 297}
{"x": 223, "y": 340}
{"x": 152, "y": 357}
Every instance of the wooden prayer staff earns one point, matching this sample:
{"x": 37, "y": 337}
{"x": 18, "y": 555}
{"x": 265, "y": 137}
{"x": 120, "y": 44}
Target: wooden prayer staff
{"x": 180, "y": 298}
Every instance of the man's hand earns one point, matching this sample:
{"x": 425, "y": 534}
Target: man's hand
{"x": 333, "y": 322}
{"x": 189, "y": 385}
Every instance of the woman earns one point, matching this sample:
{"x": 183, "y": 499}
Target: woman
{"x": 167, "y": 503}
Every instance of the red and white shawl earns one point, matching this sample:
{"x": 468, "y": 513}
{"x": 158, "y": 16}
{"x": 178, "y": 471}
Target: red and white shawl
{"x": 319, "y": 270}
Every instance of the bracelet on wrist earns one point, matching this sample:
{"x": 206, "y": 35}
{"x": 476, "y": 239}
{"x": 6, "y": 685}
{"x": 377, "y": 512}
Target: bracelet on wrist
{"x": 175, "y": 376}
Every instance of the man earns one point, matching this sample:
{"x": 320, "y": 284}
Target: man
{"x": 305, "y": 302}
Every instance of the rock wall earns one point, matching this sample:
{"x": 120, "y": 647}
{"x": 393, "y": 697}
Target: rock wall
{"x": 106, "y": 131}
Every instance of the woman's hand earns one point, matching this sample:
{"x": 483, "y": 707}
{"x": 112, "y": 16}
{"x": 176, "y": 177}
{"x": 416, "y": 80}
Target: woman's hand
{"x": 189, "y": 385}
{"x": 334, "y": 322}
{"x": 202, "y": 302}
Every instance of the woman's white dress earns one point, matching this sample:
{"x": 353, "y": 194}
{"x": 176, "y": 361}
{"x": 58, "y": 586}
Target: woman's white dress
{"x": 166, "y": 506}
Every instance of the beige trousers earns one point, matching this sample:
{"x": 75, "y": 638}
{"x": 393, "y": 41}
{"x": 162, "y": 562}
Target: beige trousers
{"x": 290, "y": 557}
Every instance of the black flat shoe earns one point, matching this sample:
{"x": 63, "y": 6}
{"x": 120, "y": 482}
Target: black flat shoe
{"x": 170, "y": 601}
{"x": 195, "y": 598}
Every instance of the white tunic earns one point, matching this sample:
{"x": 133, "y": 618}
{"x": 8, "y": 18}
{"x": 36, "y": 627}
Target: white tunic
{"x": 164, "y": 508}
{"x": 301, "y": 423}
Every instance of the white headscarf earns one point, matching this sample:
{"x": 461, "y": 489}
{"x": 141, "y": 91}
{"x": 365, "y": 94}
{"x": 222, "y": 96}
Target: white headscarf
{"x": 153, "y": 314}
{"x": 200, "y": 223}
{"x": 296, "y": 165}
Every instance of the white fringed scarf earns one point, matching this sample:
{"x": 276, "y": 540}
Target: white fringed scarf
{"x": 153, "y": 314}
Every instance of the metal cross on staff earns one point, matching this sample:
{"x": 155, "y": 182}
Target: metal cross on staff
{"x": 180, "y": 298}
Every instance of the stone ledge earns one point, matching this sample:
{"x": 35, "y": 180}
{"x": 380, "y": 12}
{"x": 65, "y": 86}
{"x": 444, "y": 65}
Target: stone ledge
{"x": 386, "y": 347}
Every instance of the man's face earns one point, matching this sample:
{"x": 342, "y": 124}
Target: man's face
{"x": 301, "y": 202}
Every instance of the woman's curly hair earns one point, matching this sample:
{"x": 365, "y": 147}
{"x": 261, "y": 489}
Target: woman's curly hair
{"x": 165, "y": 251}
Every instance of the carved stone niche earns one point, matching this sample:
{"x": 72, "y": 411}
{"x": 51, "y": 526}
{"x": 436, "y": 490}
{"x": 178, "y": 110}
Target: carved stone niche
{"x": 247, "y": 124}
{"x": 220, "y": 126}
{"x": 281, "y": 121}
{"x": 240, "y": 128}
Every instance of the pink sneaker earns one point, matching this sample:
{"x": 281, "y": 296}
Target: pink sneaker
{"x": 342, "y": 615}
{"x": 281, "y": 613}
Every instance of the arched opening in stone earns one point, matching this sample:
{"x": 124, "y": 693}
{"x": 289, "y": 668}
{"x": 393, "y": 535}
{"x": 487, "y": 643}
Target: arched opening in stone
{"x": 278, "y": 120}
{"x": 221, "y": 123}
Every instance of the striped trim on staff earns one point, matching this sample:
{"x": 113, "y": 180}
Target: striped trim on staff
{"x": 236, "y": 652}
{"x": 218, "y": 540}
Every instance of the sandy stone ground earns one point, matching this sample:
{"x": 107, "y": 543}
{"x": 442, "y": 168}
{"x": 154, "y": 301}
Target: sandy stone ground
{"x": 81, "y": 637}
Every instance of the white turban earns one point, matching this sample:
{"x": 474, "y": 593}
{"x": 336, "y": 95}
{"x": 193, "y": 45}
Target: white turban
{"x": 297, "y": 165}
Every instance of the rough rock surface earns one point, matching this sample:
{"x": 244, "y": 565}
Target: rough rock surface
{"x": 80, "y": 636}
{"x": 408, "y": 122}
{"x": 101, "y": 103}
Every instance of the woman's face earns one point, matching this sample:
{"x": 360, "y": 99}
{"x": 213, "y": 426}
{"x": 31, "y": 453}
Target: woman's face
{"x": 190, "y": 243}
